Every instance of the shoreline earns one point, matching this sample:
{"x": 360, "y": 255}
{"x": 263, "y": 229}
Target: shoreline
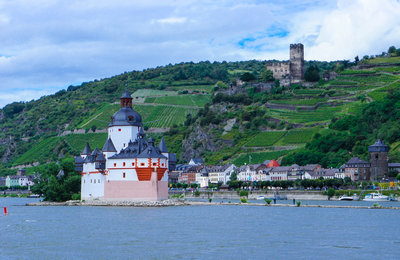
{"x": 175, "y": 203}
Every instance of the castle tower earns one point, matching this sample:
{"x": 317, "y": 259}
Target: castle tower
{"x": 297, "y": 62}
{"x": 379, "y": 160}
{"x": 125, "y": 124}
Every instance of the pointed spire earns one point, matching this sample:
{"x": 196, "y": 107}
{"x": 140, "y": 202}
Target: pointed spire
{"x": 141, "y": 133}
{"x": 163, "y": 146}
{"x": 96, "y": 151}
{"x": 87, "y": 150}
{"x": 151, "y": 141}
{"x": 109, "y": 146}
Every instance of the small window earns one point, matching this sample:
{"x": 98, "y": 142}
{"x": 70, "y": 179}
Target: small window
{"x": 123, "y": 175}
{"x": 142, "y": 164}
{"x": 133, "y": 164}
{"x": 123, "y": 164}
{"x": 94, "y": 180}
{"x": 115, "y": 165}
{"x": 154, "y": 164}
{"x": 124, "y": 145}
{"x": 98, "y": 180}
{"x": 84, "y": 181}
{"x": 162, "y": 164}
{"x": 119, "y": 129}
{"x": 91, "y": 180}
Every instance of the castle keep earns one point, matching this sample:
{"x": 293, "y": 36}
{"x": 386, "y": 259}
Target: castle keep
{"x": 292, "y": 71}
{"x": 130, "y": 166}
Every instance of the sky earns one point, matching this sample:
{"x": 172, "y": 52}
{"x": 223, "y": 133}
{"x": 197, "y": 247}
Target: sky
{"x": 48, "y": 45}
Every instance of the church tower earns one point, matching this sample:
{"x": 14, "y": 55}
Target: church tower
{"x": 379, "y": 160}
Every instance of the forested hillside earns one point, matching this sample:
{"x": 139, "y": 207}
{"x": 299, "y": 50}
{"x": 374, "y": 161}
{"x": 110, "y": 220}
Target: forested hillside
{"x": 190, "y": 105}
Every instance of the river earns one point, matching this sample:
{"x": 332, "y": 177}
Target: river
{"x": 197, "y": 232}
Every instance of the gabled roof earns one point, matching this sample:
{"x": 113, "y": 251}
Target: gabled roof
{"x": 87, "y": 150}
{"x": 109, "y": 146}
{"x": 356, "y": 160}
{"x": 163, "y": 146}
{"x": 272, "y": 163}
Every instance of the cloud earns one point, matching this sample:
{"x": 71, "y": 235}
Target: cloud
{"x": 49, "y": 45}
{"x": 170, "y": 20}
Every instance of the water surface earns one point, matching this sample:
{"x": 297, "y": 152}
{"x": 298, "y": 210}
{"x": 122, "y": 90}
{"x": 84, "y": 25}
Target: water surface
{"x": 198, "y": 232}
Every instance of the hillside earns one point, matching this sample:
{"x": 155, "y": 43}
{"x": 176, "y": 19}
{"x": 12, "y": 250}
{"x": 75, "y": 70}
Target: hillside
{"x": 180, "y": 103}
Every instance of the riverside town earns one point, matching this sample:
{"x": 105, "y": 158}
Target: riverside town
{"x": 242, "y": 129}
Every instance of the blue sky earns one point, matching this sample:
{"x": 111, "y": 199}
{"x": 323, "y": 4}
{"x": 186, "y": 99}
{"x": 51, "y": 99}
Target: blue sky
{"x": 47, "y": 45}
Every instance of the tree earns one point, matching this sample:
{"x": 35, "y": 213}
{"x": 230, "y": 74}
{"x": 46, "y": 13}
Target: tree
{"x": 312, "y": 74}
{"x": 267, "y": 75}
{"x": 247, "y": 76}
{"x": 331, "y": 192}
{"x": 392, "y": 50}
{"x": 356, "y": 59}
{"x": 398, "y": 177}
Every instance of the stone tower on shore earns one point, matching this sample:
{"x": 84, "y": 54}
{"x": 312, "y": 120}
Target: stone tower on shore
{"x": 379, "y": 160}
{"x": 297, "y": 62}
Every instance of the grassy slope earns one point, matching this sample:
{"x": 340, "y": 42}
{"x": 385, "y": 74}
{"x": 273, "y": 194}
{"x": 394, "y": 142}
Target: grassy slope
{"x": 167, "y": 112}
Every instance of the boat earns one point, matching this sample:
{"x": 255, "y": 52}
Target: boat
{"x": 260, "y": 197}
{"x": 375, "y": 197}
{"x": 349, "y": 198}
{"x": 346, "y": 197}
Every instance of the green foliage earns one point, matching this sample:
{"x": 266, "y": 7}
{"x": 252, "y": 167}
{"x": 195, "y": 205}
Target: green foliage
{"x": 244, "y": 193}
{"x": 312, "y": 73}
{"x": 247, "y": 76}
{"x": 58, "y": 189}
{"x": 298, "y": 203}
{"x": 243, "y": 200}
{"x": 259, "y": 157}
{"x": 265, "y": 138}
{"x": 331, "y": 192}
{"x": 298, "y": 136}
{"x": 268, "y": 201}
{"x": 267, "y": 75}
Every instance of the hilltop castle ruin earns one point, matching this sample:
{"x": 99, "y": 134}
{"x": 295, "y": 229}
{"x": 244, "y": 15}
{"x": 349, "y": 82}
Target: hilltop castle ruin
{"x": 292, "y": 71}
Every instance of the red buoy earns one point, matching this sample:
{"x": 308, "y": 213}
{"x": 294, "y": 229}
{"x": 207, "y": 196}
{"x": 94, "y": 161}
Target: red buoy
{"x": 5, "y": 210}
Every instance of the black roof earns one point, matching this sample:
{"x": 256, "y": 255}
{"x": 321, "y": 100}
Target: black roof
{"x": 87, "y": 150}
{"x": 140, "y": 148}
{"x": 163, "y": 146}
{"x": 378, "y": 146}
{"x": 126, "y": 94}
{"x": 126, "y": 116}
{"x": 356, "y": 160}
{"x": 109, "y": 146}
{"x": 172, "y": 157}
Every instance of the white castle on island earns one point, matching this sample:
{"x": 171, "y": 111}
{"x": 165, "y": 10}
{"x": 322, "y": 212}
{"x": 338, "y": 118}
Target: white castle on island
{"x": 129, "y": 167}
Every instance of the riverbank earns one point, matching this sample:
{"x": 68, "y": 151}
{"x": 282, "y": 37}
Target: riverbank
{"x": 174, "y": 203}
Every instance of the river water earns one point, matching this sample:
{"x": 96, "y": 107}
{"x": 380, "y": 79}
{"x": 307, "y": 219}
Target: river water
{"x": 197, "y": 232}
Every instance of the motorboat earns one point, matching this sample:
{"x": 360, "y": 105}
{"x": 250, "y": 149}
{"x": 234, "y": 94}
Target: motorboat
{"x": 260, "y": 198}
{"x": 375, "y": 197}
{"x": 346, "y": 197}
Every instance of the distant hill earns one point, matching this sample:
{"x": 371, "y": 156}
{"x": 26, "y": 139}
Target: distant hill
{"x": 180, "y": 103}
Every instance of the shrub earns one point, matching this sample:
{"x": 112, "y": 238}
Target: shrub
{"x": 243, "y": 200}
{"x": 298, "y": 203}
{"x": 210, "y": 200}
{"x": 268, "y": 201}
{"x": 244, "y": 193}
{"x": 197, "y": 193}
{"x": 76, "y": 196}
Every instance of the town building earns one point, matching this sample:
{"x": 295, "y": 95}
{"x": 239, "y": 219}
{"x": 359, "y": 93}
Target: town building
{"x": 129, "y": 166}
{"x": 357, "y": 169}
